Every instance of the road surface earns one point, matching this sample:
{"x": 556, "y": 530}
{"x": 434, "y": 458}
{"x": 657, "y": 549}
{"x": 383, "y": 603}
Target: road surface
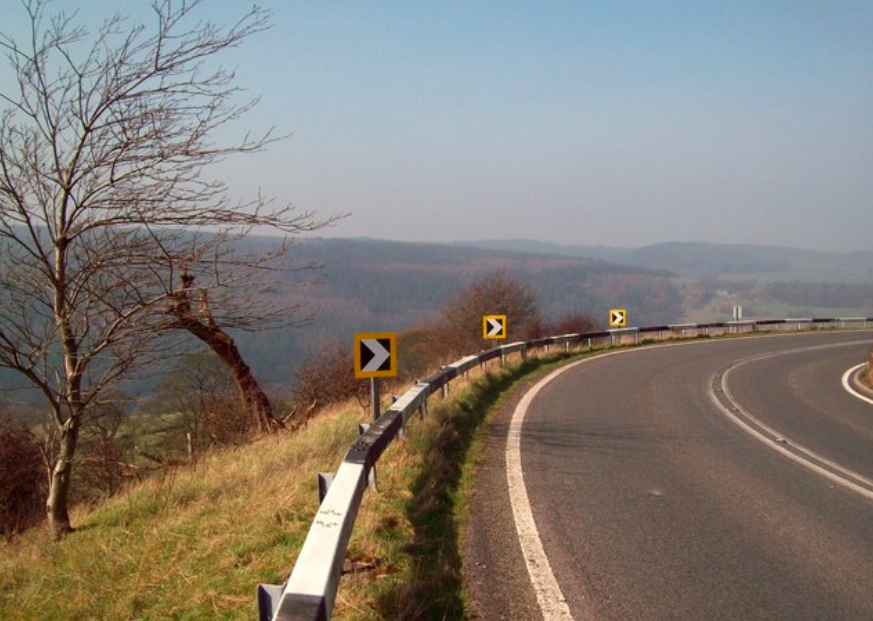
{"x": 728, "y": 479}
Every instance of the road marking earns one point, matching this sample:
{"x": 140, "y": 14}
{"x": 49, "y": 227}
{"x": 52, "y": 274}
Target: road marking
{"x": 848, "y": 386}
{"x": 770, "y": 437}
{"x": 549, "y": 595}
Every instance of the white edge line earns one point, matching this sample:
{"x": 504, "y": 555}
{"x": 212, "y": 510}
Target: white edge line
{"x": 848, "y": 386}
{"x": 550, "y": 598}
{"x": 549, "y": 595}
{"x": 789, "y": 454}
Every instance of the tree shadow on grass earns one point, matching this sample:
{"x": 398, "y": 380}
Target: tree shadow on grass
{"x": 434, "y": 589}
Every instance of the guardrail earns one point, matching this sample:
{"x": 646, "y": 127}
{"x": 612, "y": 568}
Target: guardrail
{"x": 309, "y": 593}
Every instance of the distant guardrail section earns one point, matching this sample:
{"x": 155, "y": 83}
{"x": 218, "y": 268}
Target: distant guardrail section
{"x": 310, "y": 591}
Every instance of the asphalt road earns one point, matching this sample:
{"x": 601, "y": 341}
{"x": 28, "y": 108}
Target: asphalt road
{"x": 653, "y": 501}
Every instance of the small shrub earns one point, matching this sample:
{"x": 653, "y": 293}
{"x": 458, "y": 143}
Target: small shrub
{"x": 22, "y": 480}
{"x": 573, "y": 323}
{"x": 326, "y": 378}
{"x": 496, "y": 294}
{"x": 103, "y": 451}
{"x": 423, "y": 349}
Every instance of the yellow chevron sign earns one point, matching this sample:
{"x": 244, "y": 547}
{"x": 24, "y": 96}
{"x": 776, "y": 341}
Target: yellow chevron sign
{"x": 618, "y": 317}
{"x": 494, "y": 327}
{"x": 376, "y": 355}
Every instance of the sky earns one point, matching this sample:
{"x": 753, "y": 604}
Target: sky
{"x": 619, "y": 123}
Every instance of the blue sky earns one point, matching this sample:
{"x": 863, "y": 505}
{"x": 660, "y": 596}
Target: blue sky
{"x": 614, "y": 123}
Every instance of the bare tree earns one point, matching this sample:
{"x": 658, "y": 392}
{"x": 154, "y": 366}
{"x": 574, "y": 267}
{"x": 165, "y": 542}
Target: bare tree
{"x": 104, "y": 461}
{"x": 573, "y": 322}
{"x": 497, "y": 293}
{"x": 198, "y": 388}
{"x": 104, "y": 205}
{"x": 201, "y": 323}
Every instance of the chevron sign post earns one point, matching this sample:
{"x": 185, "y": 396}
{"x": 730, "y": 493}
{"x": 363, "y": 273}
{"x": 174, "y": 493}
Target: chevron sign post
{"x": 494, "y": 327}
{"x": 375, "y": 357}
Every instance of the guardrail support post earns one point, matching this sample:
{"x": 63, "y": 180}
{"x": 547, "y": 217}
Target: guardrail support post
{"x": 324, "y": 481}
{"x": 589, "y": 342}
{"x": 402, "y": 432}
{"x": 502, "y": 359}
{"x": 268, "y": 596}
{"x": 375, "y": 398}
{"x": 371, "y": 478}
{"x": 566, "y": 347}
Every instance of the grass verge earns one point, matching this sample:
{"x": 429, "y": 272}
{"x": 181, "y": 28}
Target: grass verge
{"x": 194, "y": 544}
{"x": 431, "y": 585}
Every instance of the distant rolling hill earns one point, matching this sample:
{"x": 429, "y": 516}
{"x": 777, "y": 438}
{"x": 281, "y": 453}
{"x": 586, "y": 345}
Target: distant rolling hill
{"x": 370, "y": 284}
{"x": 704, "y": 260}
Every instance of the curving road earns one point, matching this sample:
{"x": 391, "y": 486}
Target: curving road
{"x": 720, "y": 480}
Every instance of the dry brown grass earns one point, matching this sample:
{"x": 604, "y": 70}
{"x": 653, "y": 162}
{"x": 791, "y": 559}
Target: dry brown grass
{"x": 194, "y": 543}
{"x": 189, "y": 545}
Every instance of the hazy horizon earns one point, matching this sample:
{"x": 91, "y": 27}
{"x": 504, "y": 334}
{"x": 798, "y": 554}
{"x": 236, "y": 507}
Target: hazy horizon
{"x": 605, "y": 123}
{"x": 329, "y": 235}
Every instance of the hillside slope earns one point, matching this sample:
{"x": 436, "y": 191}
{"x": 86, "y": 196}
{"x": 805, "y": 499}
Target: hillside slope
{"x": 194, "y": 544}
{"x": 706, "y": 260}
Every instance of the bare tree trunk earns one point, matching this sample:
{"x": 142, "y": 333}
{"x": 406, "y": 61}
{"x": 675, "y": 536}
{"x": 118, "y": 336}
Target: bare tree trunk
{"x": 59, "y": 483}
{"x": 253, "y": 397}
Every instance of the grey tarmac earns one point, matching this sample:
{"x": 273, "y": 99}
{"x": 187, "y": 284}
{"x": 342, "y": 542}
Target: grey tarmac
{"x": 651, "y": 504}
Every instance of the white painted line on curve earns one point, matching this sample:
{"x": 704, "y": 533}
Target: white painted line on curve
{"x": 848, "y": 386}
{"x": 549, "y": 596}
{"x": 843, "y": 475}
